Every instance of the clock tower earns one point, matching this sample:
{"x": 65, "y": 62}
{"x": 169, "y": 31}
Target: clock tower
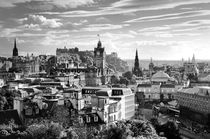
{"x": 99, "y": 57}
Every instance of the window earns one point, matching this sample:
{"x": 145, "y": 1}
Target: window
{"x": 114, "y": 117}
{"x": 105, "y": 114}
{"x": 80, "y": 120}
{"x": 88, "y": 119}
{"x": 95, "y": 118}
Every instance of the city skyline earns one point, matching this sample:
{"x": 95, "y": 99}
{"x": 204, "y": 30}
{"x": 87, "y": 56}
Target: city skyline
{"x": 163, "y": 30}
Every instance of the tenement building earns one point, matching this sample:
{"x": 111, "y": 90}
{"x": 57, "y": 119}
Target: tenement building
{"x": 195, "y": 104}
{"x": 113, "y": 104}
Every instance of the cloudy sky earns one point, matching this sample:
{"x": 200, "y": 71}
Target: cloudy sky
{"x": 162, "y": 29}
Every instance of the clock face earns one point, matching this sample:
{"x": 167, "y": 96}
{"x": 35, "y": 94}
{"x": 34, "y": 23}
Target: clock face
{"x": 98, "y": 53}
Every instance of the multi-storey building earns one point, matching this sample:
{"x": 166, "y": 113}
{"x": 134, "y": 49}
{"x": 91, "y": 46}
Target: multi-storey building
{"x": 156, "y": 92}
{"x": 116, "y": 103}
{"x": 111, "y": 108}
{"x": 195, "y": 104}
{"x": 88, "y": 92}
{"x": 127, "y": 101}
{"x": 75, "y": 97}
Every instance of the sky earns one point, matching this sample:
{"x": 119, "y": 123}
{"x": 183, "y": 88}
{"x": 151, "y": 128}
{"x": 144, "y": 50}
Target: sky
{"x": 161, "y": 29}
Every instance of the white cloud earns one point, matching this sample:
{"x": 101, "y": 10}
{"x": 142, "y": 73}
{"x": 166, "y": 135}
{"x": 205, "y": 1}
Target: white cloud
{"x": 35, "y": 22}
{"x": 35, "y": 27}
{"x": 81, "y": 22}
{"x": 71, "y": 3}
{"x": 128, "y": 6}
{"x": 102, "y": 20}
{"x": 170, "y": 16}
{"x": 11, "y": 3}
{"x": 58, "y": 3}
{"x": 100, "y": 27}
{"x": 116, "y": 36}
{"x": 9, "y": 32}
{"x": 39, "y": 19}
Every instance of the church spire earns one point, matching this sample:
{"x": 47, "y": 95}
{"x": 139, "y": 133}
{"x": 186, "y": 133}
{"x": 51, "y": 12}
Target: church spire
{"x": 136, "y": 59}
{"x": 136, "y": 70}
{"x": 99, "y": 41}
{"x": 15, "y": 50}
{"x": 193, "y": 59}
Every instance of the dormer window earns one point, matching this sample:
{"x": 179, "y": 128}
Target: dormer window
{"x": 88, "y": 119}
{"x": 95, "y": 118}
{"x": 80, "y": 120}
{"x": 105, "y": 101}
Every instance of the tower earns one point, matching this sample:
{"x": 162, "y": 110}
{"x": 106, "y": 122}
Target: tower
{"x": 151, "y": 67}
{"x": 193, "y": 59}
{"x": 15, "y": 50}
{"x": 100, "y": 57}
{"x": 136, "y": 70}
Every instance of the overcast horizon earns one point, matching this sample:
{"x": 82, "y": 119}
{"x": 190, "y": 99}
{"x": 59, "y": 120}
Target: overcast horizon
{"x": 163, "y": 29}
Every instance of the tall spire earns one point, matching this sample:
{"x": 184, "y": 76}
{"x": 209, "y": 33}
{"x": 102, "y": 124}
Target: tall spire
{"x": 15, "y": 50}
{"x": 151, "y": 60}
{"x": 136, "y": 70}
{"x": 137, "y": 54}
{"x": 136, "y": 59}
{"x": 193, "y": 59}
{"x": 99, "y": 41}
{"x": 15, "y": 44}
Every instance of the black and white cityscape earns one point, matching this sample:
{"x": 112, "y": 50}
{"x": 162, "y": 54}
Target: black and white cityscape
{"x": 104, "y": 69}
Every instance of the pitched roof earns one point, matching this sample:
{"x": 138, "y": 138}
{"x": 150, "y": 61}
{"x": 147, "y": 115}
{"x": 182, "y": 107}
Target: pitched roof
{"x": 144, "y": 85}
{"x": 167, "y": 86}
{"x": 160, "y": 74}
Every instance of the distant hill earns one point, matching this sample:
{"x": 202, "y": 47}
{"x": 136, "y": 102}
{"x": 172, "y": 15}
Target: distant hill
{"x": 117, "y": 63}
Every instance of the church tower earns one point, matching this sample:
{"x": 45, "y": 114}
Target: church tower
{"x": 15, "y": 50}
{"x": 100, "y": 57}
{"x": 193, "y": 59}
{"x": 151, "y": 67}
{"x": 136, "y": 70}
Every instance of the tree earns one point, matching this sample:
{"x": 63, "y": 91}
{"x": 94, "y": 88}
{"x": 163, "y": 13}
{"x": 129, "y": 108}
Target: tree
{"x": 3, "y": 102}
{"x": 114, "y": 79}
{"x": 171, "y": 130}
{"x": 129, "y": 129}
{"x": 124, "y": 80}
{"x": 128, "y": 75}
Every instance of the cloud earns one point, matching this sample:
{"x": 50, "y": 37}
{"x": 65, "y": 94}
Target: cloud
{"x": 71, "y": 3}
{"x": 9, "y": 32}
{"x": 53, "y": 23}
{"x": 102, "y": 20}
{"x": 11, "y": 3}
{"x": 37, "y": 21}
{"x": 128, "y": 6}
{"x": 79, "y": 23}
{"x": 171, "y": 16}
{"x": 101, "y": 27}
{"x": 57, "y": 3}
{"x": 34, "y": 27}
{"x": 157, "y": 43}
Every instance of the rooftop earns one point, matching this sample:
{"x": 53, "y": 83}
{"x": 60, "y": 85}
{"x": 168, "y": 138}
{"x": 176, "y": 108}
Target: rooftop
{"x": 198, "y": 90}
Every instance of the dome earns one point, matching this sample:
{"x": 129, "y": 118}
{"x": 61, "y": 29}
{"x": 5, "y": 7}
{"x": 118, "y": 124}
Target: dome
{"x": 160, "y": 76}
